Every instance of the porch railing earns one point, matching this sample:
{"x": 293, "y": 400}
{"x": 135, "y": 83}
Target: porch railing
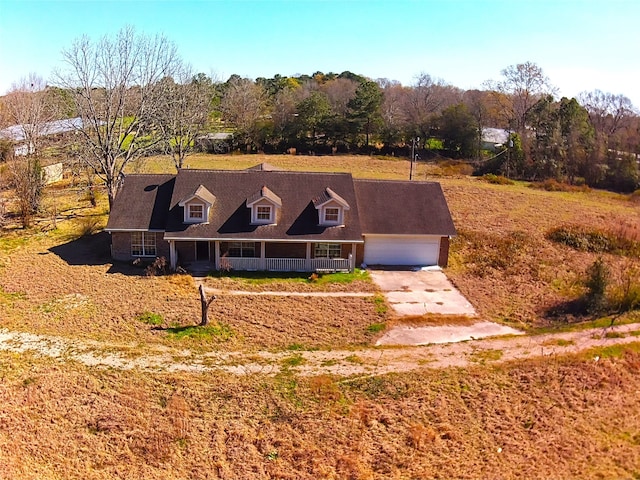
{"x": 288, "y": 264}
{"x": 330, "y": 264}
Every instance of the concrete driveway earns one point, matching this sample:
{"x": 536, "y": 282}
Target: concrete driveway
{"x": 421, "y": 292}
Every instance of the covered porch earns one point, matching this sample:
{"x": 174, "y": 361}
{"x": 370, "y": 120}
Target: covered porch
{"x": 265, "y": 255}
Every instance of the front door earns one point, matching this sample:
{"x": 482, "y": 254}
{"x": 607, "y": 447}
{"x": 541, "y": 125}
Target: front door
{"x": 202, "y": 251}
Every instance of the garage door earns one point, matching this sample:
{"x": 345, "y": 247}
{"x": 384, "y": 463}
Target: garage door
{"x": 401, "y": 250}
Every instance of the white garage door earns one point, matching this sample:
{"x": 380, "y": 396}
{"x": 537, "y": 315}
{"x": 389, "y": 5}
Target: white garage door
{"x": 401, "y": 250}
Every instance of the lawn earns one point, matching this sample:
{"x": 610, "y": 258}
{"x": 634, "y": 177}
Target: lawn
{"x": 556, "y": 417}
{"x": 61, "y": 281}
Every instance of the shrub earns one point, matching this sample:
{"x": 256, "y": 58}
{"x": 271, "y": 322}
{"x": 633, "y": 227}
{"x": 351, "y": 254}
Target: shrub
{"x": 625, "y": 295}
{"x": 581, "y": 239}
{"x": 624, "y": 241}
{"x": 552, "y": 185}
{"x": 597, "y": 280}
{"x": 497, "y": 179}
{"x": 158, "y": 267}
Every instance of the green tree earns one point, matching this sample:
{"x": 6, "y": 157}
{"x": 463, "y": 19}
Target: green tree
{"x": 313, "y": 113}
{"x": 457, "y": 129}
{"x": 364, "y": 113}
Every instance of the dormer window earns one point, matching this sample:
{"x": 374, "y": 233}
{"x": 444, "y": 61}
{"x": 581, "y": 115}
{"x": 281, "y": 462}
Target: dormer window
{"x": 264, "y": 206}
{"x": 331, "y": 208}
{"x": 197, "y": 205}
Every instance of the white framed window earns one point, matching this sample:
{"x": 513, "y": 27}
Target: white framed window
{"x": 332, "y": 215}
{"x": 196, "y": 211}
{"x": 263, "y": 212}
{"x": 327, "y": 250}
{"x": 143, "y": 244}
{"x": 242, "y": 249}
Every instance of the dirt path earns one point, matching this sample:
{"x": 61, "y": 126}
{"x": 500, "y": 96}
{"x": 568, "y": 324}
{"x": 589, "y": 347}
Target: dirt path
{"x": 365, "y": 361}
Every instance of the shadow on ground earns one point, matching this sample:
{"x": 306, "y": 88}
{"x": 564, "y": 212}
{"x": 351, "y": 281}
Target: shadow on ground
{"x": 93, "y": 250}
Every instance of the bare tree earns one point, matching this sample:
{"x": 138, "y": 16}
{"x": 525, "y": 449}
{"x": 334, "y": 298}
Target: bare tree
{"x": 426, "y": 100}
{"x": 523, "y": 85}
{"x": 184, "y": 107}
{"x": 339, "y": 91}
{"x": 29, "y": 107}
{"x": 115, "y": 84}
{"x": 606, "y": 110}
{"x": 28, "y": 183}
{"x": 243, "y": 103}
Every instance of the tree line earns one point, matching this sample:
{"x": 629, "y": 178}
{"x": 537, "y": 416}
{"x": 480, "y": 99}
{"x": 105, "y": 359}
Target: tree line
{"x": 137, "y": 97}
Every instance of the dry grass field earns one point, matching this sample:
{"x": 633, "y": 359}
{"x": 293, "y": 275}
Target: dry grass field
{"x": 554, "y": 418}
{"x": 558, "y": 418}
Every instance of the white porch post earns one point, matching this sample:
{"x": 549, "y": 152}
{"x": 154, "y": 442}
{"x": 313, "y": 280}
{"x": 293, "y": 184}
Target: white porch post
{"x": 216, "y": 253}
{"x": 352, "y": 266}
{"x": 172, "y": 254}
{"x": 308, "y": 257}
{"x": 263, "y": 256}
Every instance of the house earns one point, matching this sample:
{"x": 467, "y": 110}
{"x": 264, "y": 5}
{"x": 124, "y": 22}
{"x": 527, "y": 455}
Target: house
{"x": 494, "y": 138}
{"x": 268, "y": 219}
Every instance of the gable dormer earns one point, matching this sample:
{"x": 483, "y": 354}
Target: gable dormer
{"x": 264, "y": 207}
{"x": 331, "y": 208}
{"x": 198, "y": 205}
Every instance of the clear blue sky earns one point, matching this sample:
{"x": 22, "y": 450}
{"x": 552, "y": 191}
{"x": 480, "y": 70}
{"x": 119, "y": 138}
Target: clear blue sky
{"x": 580, "y": 44}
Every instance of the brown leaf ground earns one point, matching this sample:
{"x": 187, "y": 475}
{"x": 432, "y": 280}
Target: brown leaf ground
{"x": 66, "y": 421}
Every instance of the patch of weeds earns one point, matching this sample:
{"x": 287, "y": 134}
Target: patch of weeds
{"x": 28, "y": 381}
{"x": 219, "y": 332}
{"x": 272, "y": 456}
{"x": 380, "y": 304}
{"x": 482, "y": 356}
{"x": 328, "y": 363}
{"x": 10, "y": 297}
{"x": 635, "y": 333}
{"x": 182, "y": 443}
{"x": 354, "y": 359}
{"x": 295, "y": 347}
{"x": 612, "y": 351}
{"x": 150, "y": 318}
{"x": 293, "y": 361}
{"x": 12, "y": 242}
{"x": 496, "y": 252}
{"x": 561, "y": 342}
{"x": 376, "y": 327}
{"x": 614, "y": 335}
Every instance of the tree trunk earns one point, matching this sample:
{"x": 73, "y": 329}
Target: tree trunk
{"x": 204, "y": 303}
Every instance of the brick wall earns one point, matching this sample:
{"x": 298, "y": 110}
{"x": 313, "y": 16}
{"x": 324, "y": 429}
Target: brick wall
{"x": 286, "y": 250}
{"x": 121, "y": 246}
{"x": 443, "y": 257}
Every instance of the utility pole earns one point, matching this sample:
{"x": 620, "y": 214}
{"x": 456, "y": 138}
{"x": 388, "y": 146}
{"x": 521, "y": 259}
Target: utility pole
{"x": 413, "y": 155}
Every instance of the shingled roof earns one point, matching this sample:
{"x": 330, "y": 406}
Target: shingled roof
{"x": 142, "y": 203}
{"x": 230, "y": 218}
{"x": 403, "y": 208}
{"x": 152, "y": 202}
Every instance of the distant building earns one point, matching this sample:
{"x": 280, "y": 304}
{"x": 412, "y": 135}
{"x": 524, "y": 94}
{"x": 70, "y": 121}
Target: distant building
{"x": 494, "y": 138}
{"x": 17, "y": 133}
